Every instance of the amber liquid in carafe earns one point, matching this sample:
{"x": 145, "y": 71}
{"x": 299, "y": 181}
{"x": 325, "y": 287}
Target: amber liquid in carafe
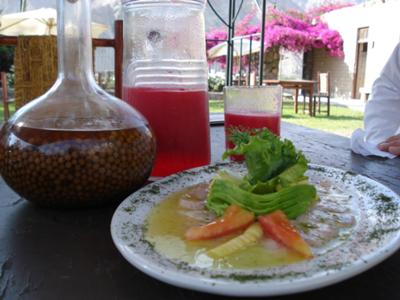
{"x": 68, "y": 168}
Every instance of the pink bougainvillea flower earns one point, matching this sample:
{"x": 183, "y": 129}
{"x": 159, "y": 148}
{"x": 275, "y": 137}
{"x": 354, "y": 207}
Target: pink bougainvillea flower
{"x": 292, "y": 30}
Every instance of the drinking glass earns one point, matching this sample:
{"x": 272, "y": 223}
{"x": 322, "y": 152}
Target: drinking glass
{"x": 248, "y": 108}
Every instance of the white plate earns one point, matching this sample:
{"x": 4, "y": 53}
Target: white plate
{"x": 374, "y": 237}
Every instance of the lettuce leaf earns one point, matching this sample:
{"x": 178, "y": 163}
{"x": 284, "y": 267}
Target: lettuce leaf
{"x": 294, "y": 200}
{"x": 275, "y": 178}
{"x": 288, "y": 177}
{"x": 266, "y": 156}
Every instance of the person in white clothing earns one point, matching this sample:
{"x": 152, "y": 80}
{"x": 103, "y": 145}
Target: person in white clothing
{"x": 382, "y": 112}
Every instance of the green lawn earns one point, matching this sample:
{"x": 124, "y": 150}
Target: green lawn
{"x": 216, "y": 106}
{"x": 342, "y": 121}
{"x": 11, "y": 108}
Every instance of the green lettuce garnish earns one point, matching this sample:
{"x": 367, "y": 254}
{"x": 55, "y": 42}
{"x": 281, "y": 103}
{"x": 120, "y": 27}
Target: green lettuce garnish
{"x": 275, "y": 178}
{"x": 265, "y": 154}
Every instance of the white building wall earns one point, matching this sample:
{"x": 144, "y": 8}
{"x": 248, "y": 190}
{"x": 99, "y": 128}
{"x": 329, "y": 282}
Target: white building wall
{"x": 384, "y": 33}
{"x": 383, "y": 38}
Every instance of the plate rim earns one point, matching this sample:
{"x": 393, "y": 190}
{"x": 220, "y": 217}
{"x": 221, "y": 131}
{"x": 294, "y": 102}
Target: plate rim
{"x": 255, "y": 288}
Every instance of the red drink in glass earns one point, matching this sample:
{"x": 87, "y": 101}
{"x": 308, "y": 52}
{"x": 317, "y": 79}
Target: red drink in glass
{"x": 180, "y": 121}
{"x": 271, "y": 121}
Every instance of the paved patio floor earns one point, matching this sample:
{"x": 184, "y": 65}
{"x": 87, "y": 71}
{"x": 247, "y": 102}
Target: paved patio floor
{"x": 355, "y": 104}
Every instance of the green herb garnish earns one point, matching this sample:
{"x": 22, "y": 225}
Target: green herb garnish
{"x": 275, "y": 178}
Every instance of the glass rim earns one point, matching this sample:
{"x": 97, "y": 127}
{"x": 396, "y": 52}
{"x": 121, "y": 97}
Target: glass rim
{"x": 128, "y": 3}
{"x": 247, "y": 87}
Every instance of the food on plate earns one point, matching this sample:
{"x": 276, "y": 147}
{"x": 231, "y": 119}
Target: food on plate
{"x": 294, "y": 200}
{"x": 277, "y": 226}
{"x": 248, "y": 220}
{"x": 251, "y": 235}
{"x": 275, "y": 178}
{"x": 234, "y": 219}
{"x": 270, "y": 162}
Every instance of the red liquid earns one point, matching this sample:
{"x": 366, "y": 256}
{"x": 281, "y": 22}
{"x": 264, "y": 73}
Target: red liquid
{"x": 250, "y": 121}
{"x": 180, "y": 121}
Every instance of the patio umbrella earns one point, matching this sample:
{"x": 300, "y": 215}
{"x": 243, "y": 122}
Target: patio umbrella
{"x": 222, "y": 48}
{"x": 37, "y": 22}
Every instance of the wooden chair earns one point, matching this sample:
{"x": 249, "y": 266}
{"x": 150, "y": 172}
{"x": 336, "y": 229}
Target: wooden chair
{"x": 323, "y": 90}
{"x": 242, "y": 81}
{"x": 116, "y": 43}
{"x": 6, "y": 101}
{"x": 35, "y": 63}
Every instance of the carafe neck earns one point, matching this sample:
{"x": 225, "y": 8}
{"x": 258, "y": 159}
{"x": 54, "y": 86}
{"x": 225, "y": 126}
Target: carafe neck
{"x": 74, "y": 41}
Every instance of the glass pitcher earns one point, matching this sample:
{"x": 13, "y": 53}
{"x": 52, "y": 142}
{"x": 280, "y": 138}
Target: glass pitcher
{"x": 165, "y": 78}
{"x": 75, "y": 146}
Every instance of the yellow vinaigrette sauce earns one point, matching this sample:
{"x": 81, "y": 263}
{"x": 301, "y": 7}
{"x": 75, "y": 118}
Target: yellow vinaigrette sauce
{"x": 167, "y": 225}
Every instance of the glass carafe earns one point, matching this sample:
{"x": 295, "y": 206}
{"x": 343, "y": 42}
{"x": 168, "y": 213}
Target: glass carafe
{"x": 165, "y": 78}
{"x": 76, "y": 145}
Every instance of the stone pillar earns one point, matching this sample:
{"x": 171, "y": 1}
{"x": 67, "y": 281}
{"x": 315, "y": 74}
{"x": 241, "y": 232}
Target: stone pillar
{"x": 271, "y": 63}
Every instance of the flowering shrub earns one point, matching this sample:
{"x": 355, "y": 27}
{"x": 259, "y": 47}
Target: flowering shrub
{"x": 216, "y": 83}
{"x": 302, "y": 34}
{"x": 214, "y": 38}
{"x": 293, "y": 30}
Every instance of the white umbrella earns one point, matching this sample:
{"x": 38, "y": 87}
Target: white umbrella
{"x": 222, "y": 49}
{"x": 37, "y": 22}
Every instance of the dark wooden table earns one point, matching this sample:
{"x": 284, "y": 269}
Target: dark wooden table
{"x": 306, "y": 85}
{"x": 49, "y": 254}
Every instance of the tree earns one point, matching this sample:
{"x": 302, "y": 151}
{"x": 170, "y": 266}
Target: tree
{"x": 6, "y": 58}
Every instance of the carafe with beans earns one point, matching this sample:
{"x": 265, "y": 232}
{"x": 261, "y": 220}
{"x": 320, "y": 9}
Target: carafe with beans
{"x": 76, "y": 146}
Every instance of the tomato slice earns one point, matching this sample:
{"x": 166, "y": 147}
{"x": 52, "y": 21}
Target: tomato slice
{"x": 278, "y": 227}
{"x": 235, "y": 218}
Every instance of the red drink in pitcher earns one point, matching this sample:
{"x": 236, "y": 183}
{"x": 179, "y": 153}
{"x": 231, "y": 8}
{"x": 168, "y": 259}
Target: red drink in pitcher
{"x": 270, "y": 121}
{"x": 180, "y": 121}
